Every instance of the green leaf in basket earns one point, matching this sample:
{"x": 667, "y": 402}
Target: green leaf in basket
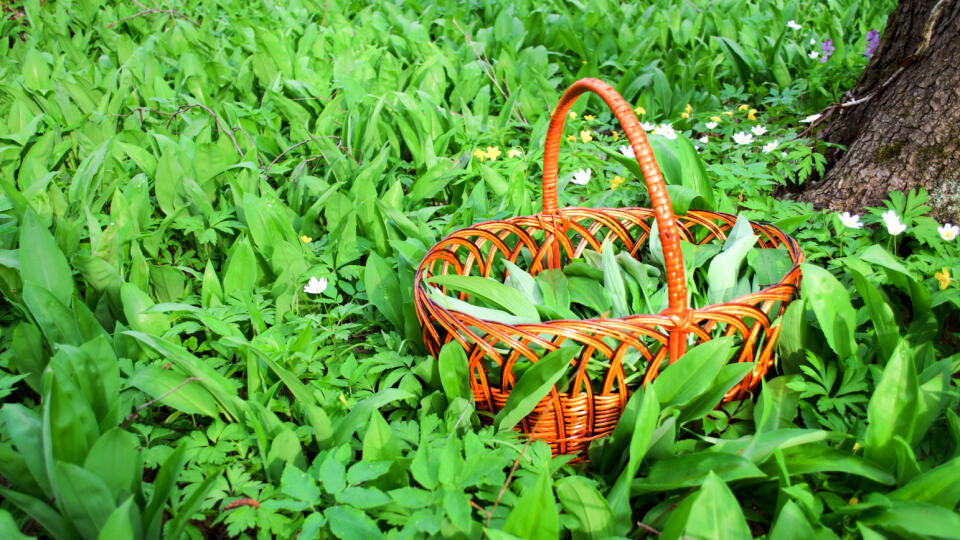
{"x": 533, "y": 386}
{"x": 613, "y": 281}
{"x": 553, "y": 286}
{"x": 724, "y": 269}
{"x": 589, "y": 293}
{"x": 492, "y": 292}
{"x": 482, "y": 313}
{"x": 646, "y": 277}
{"x": 683, "y": 198}
{"x": 769, "y": 266}
{"x": 523, "y": 282}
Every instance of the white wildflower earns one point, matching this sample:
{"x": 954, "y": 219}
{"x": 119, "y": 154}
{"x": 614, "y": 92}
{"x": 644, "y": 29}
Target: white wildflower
{"x": 758, "y": 130}
{"x": 581, "y": 177}
{"x": 893, "y": 223}
{"x": 851, "y": 221}
{"x": 948, "y": 231}
{"x": 648, "y": 126}
{"x": 665, "y": 130}
{"x": 810, "y": 119}
{"x": 704, "y": 139}
{"x": 742, "y": 138}
{"x": 770, "y": 146}
{"x": 711, "y": 125}
{"x": 627, "y": 151}
{"x": 315, "y": 286}
{"x": 814, "y": 55}
{"x": 792, "y": 24}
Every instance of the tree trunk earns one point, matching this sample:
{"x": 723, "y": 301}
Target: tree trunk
{"x": 901, "y": 122}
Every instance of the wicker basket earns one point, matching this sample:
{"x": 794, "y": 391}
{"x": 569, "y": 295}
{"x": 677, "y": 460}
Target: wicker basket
{"x": 570, "y": 417}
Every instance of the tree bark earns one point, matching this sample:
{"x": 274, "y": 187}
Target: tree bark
{"x": 901, "y": 122}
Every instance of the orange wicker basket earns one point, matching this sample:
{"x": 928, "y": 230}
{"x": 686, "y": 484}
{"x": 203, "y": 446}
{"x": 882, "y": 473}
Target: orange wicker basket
{"x": 569, "y": 418}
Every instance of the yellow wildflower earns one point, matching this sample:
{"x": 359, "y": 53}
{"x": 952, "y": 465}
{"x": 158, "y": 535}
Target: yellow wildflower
{"x": 854, "y": 500}
{"x": 716, "y": 119}
{"x": 585, "y": 136}
{"x": 752, "y": 114}
{"x": 684, "y": 115}
{"x": 743, "y": 107}
{"x": 588, "y": 117}
{"x": 943, "y": 276}
{"x": 617, "y": 180}
{"x": 640, "y": 111}
{"x": 573, "y": 114}
{"x": 616, "y": 135}
{"x": 493, "y": 153}
{"x": 571, "y": 138}
{"x": 513, "y": 152}
{"x": 479, "y": 154}
{"x": 306, "y": 239}
{"x": 584, "y": 62}
{"x": 728, "y": 113}
{"x": 688, "y": 109}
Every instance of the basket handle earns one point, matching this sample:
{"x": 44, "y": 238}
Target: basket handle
{"x": 666, "y": 221}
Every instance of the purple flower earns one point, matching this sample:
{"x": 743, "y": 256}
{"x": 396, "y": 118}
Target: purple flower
{"x": 873, "y": 41}
{"x": 827, "y": 51}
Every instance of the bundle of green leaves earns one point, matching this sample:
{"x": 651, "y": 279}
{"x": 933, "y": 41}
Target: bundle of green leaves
{"x": 616, "y": 284}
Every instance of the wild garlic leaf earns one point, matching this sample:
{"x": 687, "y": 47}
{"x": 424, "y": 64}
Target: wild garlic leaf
{"x": 722, "y": 277}
{"x": 520, "y": 280}
{"x": 482, "y": 313}
{"x": 613, "y": 280}
{"x": 492, "y": 292}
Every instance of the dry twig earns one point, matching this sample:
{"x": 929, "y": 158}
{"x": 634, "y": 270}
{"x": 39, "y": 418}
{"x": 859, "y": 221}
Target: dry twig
{"x": 136, "y": 412}
{"x": 144, "y": 10}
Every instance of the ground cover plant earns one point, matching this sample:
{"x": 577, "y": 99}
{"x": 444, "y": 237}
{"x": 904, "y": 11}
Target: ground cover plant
{"x": 210, "y": 217}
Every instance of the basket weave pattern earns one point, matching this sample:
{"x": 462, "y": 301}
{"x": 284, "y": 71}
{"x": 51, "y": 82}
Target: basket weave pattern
{"x": 590, "y": 405}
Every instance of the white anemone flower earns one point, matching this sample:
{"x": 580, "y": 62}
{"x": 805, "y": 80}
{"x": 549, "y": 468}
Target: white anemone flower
{"x": 581, "y": 177}
{"x": 704, "y": 139}
{"x": 315, "y": 286}
{"x": 742, "y": 138}
{"x": 948, "y": 231}
{"x": 758, "y": 130}
{"x": 893, "y": 223}
{"x": 711, "y": 125}
{"x": 665, "y": 130}
{"x": 627, "y": 151}
{"x": 850, "y": 221}
{"x": 814, "y": 55}
{"x": 792, "y": 24}
{"x": 810, "y": 119}
{"x": 648, "y": 126}
{"x": 770, "y": 146}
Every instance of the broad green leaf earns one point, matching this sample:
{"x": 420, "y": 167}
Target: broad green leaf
{"x": 24, "y": 427}
{"x": 120, "y": 524}
{"x": 644, "y": 425}
{"x": 791, "y": 524}
{"x": 693, "y": 373}
{"x": 41, "y": 261}
{"x": 830, "y": 302}
{"x": 580, "y": 498}
{"x": 590, "y": 293}
{"x": 893, "y": 407}
{"x": 523, "y": 282}
{"x": 383, "y": 289}
{"x": 299, "y": 485}
{"x": 881, "y": 314}
{"x": 47, "y": 517}
{"x": 777, "y": 404}
{"x": 136, "y": 305}
{"x": 115, "y": 458}
{"x": 916, "y": 518}
{"x": 163, "y": 487}
{"x": 84, "y": 497}
{"x": 482, "y": 313}
{"x": 360, "y": 413}
{"x": 553, "y": 286}
{"x": 729, "y": 376}
{"x": 613, "y": 281}
{"x": 724, "y": 269}
{"x": 242, "y": 272}
{"x": 769, "y": 265}
{"x": 695, "y": 176}
{"x": 9, "y": 529}
{"x": 348, "y": 522}
{"x": 939, "y": 486}
{"x": 816, "y": 458}
{"x": 691, "y": 469}
{"x": 189, "y": 397}
{"x": 533, "y": 386}
{"x": 716, "y": 513}
{"x": 758, "y": 447}
{"x": 535, "y": 516}
{"x": 454, "y": 371}
{"x": 36, "y": 71}
{"x": 492, "y": 292}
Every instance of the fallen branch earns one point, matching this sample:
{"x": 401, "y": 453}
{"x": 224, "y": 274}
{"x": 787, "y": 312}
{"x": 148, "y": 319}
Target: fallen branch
{"x": 136, "y": 412}
{"x": 174, "y": 14}
{"x": 487, "y": 68}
